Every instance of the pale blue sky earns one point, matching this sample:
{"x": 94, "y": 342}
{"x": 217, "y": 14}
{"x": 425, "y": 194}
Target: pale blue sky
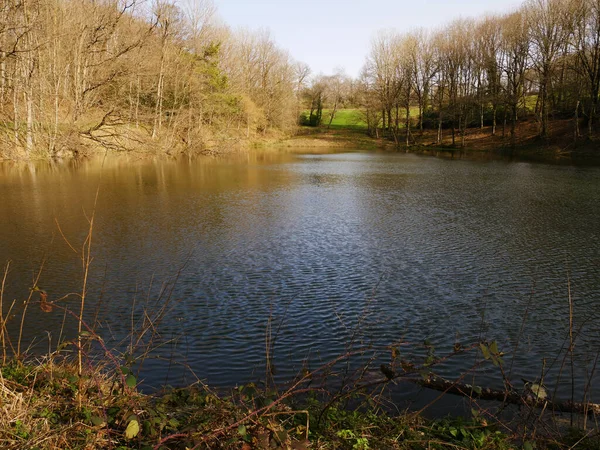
{"x": 328, "y": 34}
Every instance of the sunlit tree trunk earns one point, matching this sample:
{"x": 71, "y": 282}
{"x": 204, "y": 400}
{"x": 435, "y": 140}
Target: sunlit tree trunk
{"x": 407, "y": 123}
{"x": 159, "y": 94}
{"x": 2, "y": 74}
{"x": 28, "y": 74}
{"x": 16, "y": 94}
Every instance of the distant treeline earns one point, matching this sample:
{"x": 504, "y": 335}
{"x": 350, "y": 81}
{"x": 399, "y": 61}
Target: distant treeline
{"x": 125, "y": 74}
{"x": 131, "y": 74}
{"x": 541, "y": 61}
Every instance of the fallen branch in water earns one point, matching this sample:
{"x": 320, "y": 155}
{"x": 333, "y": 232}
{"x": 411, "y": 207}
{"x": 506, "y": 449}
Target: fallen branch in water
{"x": 512, "y": 397}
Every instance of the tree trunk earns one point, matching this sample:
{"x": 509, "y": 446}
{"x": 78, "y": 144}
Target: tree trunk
{"x": 52, "y": 145}
{"x": 16, "y": 103}
{"x": 2, "y": 76}
{"x": 504, "y": 122}
{"x": 131, "y": 101}
{"x": 462, "y": 127}
{"x": 544, "y": 104}
{"x": 159, "y": 91}
{"x": 506, "y": 396}
{"x": 576, "y": 119}
{"x": 453, "y": 132}
{"x": 424, "y": 105}
{"x": 335, "y": 105}
{"x": 408, "y": 123}
{"x": 481, "y": 116}
{"x": 159, "y": 102}
{"x": 513, "y": 125}
{"x": 137, "y": 102}
{"x": 56, "y": 81}
{"x": 78, "y": 77}
{"x": 592, "y": 113}
{"x": 29, "y": 103}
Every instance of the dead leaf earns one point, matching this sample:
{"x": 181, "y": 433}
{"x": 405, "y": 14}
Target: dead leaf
{"x": 300, "y": 445}
{"x": 45, "y": 305}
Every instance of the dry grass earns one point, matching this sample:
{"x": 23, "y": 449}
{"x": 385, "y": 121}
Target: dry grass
{"x": 334, "y": 138}
{"x": 45, "y": 405}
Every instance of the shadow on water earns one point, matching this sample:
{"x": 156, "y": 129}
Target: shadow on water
{"x": 509, "y": 155}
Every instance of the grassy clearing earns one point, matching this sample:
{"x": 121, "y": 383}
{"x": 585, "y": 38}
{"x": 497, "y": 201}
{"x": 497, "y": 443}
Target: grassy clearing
{"x": 348, "y": 130}
{"x": 346, "y": 118}
{"x": 353, "y": 118}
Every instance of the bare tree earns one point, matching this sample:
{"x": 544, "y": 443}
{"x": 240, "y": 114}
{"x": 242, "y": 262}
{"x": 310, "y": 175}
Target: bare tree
{"x": 425, "y": 63}
{"x": 548, "y": 25}
{"x": 337, "y": 87}
{"x": 587, "y": 42}
{"x": 168, "y": 18}
{"x": 490, "y": 62}
{"x": 515, "y": 47}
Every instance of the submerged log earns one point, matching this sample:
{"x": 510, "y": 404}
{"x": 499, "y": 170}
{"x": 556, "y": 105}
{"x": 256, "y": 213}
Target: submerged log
{"x": 512, "y": 397}
{"x": 531, "y": 395}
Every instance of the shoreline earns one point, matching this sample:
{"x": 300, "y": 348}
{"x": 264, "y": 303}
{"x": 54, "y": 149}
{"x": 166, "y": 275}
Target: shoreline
{"x": 48, "y": 405}
{"x": 559, "y": 148}
{"x": 555, "y": 150}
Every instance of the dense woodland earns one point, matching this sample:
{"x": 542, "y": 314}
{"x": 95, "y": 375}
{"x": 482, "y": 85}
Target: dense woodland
{"x": 541, "y": 62}
{"x": 126, "y": 74}
{"x": 77, "y": 75}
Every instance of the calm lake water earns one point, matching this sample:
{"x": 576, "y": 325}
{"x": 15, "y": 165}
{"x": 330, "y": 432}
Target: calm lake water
{"x": 341, "y": 250}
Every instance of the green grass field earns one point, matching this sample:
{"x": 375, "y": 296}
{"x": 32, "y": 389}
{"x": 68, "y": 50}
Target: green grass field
{"x": 530, "y": 102}
{"x": 353, "y": 118}
{"x": 345, "y": 118}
